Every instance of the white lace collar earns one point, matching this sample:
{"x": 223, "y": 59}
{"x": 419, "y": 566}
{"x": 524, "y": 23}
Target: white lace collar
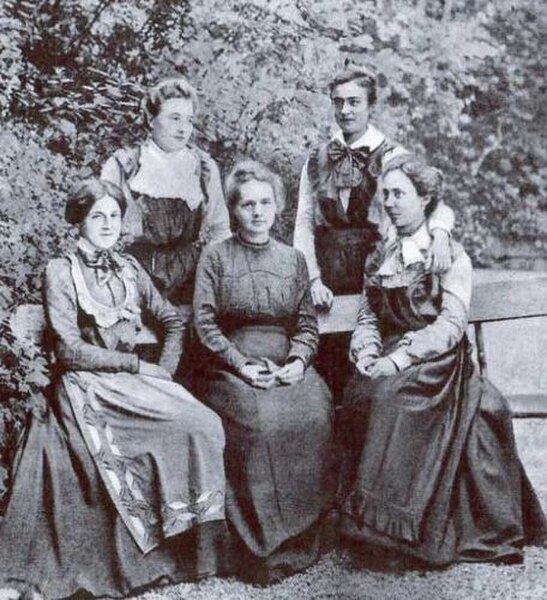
{"x": 169, "y": 174}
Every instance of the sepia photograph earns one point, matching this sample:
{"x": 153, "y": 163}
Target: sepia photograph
{"x": 273, "y": 299}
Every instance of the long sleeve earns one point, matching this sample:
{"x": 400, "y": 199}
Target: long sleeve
{"x": 304, "y": 226}
{"x": 72, "y": 352}
{"x": 365, "y": 340}
{"x": 216, "y": 222}
{"x": 450, "y": 325}
{"x": 206, "y": 310}
{"x": 304, "y": 342}
{"x": 166, "y": 315}
{"x": 442, "y": 218}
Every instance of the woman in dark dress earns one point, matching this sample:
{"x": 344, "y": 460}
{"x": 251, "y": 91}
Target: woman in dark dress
{"x": 122, "y": 483}
{"x": 253, "y": 313}
{"x": 431, "y": 468}
{"x": 173, "y": 190}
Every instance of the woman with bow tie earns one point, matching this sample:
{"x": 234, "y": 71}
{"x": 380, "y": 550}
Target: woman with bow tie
{"x": 122, "y": 483}
{"x": 431, "y": 469}
{"x": 340, "y": 216}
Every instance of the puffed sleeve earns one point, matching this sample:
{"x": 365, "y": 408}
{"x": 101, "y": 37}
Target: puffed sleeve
{"x": 206, "y": 309}
{"x": 450, "y": 325}
{"x": 72, "y": 352}
{"x": 441, "y": 218}
{"x": 304, "y": 341}
{"x": 366, "y": 341}
{"x": 216, "y": 221}
{"x": 164, "y": 313}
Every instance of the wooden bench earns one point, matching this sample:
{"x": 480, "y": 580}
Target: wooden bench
{"x": 497, "y": 296}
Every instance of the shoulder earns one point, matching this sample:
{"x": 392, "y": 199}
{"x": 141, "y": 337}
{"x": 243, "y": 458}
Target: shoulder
{"x": 207, "y": 162}
{"x": 58, "y": 277}
{"x": 218, "y": 251}
{"x": 460, "y": 256}
{"x": 59, "y": 269}
{"x": 285, "y": 254}
{"x": 127, "y": 157}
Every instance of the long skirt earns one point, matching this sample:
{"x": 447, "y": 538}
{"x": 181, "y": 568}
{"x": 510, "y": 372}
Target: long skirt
{"x": 278, "y": 462}
{"x": 119, "y": 486}
{"x": 431, "y": 467}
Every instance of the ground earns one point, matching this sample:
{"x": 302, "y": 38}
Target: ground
{"x": 339, "y": 577}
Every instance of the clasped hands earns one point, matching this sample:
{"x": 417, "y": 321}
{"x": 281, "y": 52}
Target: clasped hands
{"x": 267, "y": 374}
{"x": 374, "y": 367}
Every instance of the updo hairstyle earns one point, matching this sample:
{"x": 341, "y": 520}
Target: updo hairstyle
{"x": 165, "y": 90}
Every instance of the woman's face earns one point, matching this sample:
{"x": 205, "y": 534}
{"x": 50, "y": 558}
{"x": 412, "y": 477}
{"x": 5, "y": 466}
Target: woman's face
{"x": 351, "y": 109}
{"x": 403, "y": 204}
{"x": 172, "y": 127}
{"x": 103, "y": 223}
{"x": 256, "y": 209}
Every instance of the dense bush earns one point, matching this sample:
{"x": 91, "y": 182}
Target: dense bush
{"x": 460, "y": 81}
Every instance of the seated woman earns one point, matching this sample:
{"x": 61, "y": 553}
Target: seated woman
{"x": 253, "y": 312}
{"x": 431, "y": 467}
{"x": 123, "y": 482}
{"x": 173, "y": 189}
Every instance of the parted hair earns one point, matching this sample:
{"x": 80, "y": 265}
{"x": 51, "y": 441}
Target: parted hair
{"x": 251, "y": 170}
{"x": 427, "y": 180}
{"x": 176, "y": 87}
{"x": 359, "y": 75}
{"x": 88, "y": 192}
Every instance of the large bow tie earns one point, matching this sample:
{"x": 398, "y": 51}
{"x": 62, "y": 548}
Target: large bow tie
{"x": 348, "y": 163}
{"x": 103, "y": 262}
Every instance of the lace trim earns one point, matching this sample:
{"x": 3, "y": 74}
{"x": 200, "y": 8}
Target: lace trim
{"x": 107, "y": 316}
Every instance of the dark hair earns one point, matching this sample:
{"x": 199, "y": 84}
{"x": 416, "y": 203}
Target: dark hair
{"x": 90, "y": 191}
{"x": 251, "y": 170}
{"x": 427, "y": 180}
{"x": 362, "y": 77}
{"x": 165, "y": 90}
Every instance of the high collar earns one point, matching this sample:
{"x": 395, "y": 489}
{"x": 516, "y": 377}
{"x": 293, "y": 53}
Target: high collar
{"x": 255, "y": 245}
{"x": 372, "y": 138}
{"x": 154, "y": 152}
{"x": 413, "y": 249}
{"x": 89, "y": 249}
{"x": 169, "y": 174}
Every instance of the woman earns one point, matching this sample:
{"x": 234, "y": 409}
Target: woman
{"x": 253, "y": 312}
{"x": 173, "y": 189}
{"x": 123, "y": 482}
{"x": 431, "y": 468}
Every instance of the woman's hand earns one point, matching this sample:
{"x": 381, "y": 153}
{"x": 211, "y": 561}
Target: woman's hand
{"x": 382, "y": 367}
{"x": 363, "y": 364}
{"x": 321, "y": 295}
{"x": 257, "y": 376}
{"x": 440, "y": 256}
{"x": 291, "y": 372}
{"x": 153, "y": 370}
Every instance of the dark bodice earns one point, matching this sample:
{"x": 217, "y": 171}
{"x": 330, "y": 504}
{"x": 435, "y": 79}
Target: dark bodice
{"x": 169, "y": 221}
{"x": 259, "y": 286}
{"x": 406, "y": 308}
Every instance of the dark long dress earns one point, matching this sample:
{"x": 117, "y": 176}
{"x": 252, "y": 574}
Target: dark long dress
{"x": 252, "y": 303}
{"x": 431, "y": 466}
{"x": 122, "y": 483}
{"x": 168, "y": 232}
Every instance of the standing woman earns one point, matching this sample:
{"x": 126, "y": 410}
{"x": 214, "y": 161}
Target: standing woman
{"x": 253, "y": 312}
{"x": 432, "y": 470}
{"x": 122, "y": 483}
{"x": 173, "y": 189}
